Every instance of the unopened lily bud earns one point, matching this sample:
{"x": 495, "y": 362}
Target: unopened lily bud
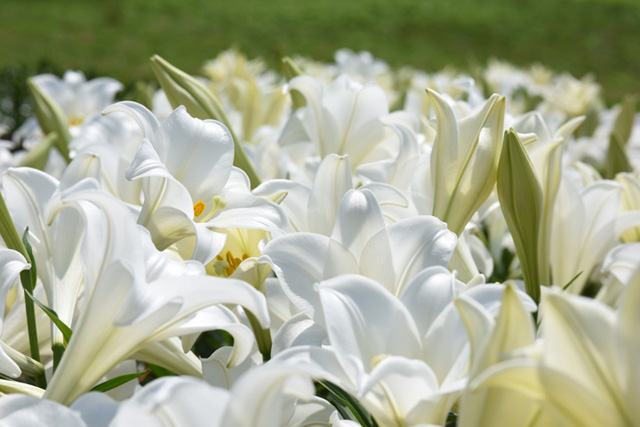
{"x": 464, "y": 159}
{"x": 617, "y": 160}
{"x": 184, "y": 89}
{"x": 290, "y": 70}
{"x": 50, "y": 117}
{"x": 521, "y": 203}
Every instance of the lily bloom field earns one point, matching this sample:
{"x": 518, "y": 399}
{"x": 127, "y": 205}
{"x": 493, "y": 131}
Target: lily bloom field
{"x": 341, "y": 244}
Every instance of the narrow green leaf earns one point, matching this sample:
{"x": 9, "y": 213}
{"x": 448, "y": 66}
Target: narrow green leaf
{"x": 521, "y": 203}
{"x": 361, "y": 414}
{"x": 118, "y": 381}
{"x": 66, "y": 331}
{"x": 565, "y": 287}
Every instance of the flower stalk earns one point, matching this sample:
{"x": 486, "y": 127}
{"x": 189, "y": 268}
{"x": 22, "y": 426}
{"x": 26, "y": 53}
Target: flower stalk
{"x": 27, "y": 277}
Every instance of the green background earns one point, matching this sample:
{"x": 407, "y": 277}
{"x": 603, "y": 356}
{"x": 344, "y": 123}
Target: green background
{"x": 116, "y": 38}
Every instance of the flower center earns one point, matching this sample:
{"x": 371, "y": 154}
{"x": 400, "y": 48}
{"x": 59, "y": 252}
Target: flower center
{"x": 229, "y": 263}
{"x": 199, "y": 207}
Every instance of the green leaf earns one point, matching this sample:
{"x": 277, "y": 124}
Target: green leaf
{"x": 521, "y": 203}
{"x": 349, "y": 402}
{"x": 118, "y": 381}
{"x": 565, "y": 287}
{"x": 156, "y": 372}
{"x": 66, "y": 331}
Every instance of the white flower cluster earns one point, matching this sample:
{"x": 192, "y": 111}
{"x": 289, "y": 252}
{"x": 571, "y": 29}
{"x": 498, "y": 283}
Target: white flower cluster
{"x": 351, "y": 245}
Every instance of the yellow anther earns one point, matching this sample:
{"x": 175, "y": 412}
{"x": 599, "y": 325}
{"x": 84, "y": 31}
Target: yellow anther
{"x": 228, "y": 264}
{"x": 198, "y": 208}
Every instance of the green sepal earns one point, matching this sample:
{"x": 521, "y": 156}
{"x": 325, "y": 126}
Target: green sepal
{"x": 66, "y": 331}
{"x": 346, "y": 400}
{"x": 521, "y": 203}
{"x": 290, "y": 70}
{"x": 118, "y": 381}
{"x": 51, "y": 118}
{"x": 200, "y": 102}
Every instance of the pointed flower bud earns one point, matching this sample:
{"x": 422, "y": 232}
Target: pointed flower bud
{"x": 521, "y": 202}
{"x": 464, "y": 159}
{"x": 290, "y": 70}
{"x": 617, "y": 160}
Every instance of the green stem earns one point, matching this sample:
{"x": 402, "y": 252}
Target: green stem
{"x": 58, "y": 351}
{"x": 263, "y": 336}
{"x": 27, "y": 277}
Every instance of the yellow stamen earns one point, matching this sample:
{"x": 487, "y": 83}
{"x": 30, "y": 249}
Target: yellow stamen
{"x": 198, "y": 208}
{"x": 229, "y": 263}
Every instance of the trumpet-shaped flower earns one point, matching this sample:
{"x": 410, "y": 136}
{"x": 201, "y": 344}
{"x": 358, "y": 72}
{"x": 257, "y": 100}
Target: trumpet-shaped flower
{"x": 56, "y": 244}
{"x": 345, "y": 118}
{"x": 190, "y": 185}
{"x": 404, "y": 358}
{"x": 464, "y": 160}
{"x": 586, "y": 225}
{"x": 588, "y": 372}
{"x": 359, "y": 243}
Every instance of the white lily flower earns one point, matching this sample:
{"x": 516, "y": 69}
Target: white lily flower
{"x": 191, "y": 187}
{"x": 314, "y": 208}
{"x": 125, "y": 315}
{"x": 79, "y": 98}
{"x": 405, "y": 359}
{"x": 271, "y": 396}
{"x": 345, "y": 118}
{"x": 586, "y": 225}
{"x": 464, "y": 160}
{"x": 491, "y": 342}
{"x": 359, "y": 243}
{"x": 588, "y": 373}
{"x": 56, "y": 244}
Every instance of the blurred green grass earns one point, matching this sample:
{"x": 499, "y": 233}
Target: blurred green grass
{"x": 117, "y": 37}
